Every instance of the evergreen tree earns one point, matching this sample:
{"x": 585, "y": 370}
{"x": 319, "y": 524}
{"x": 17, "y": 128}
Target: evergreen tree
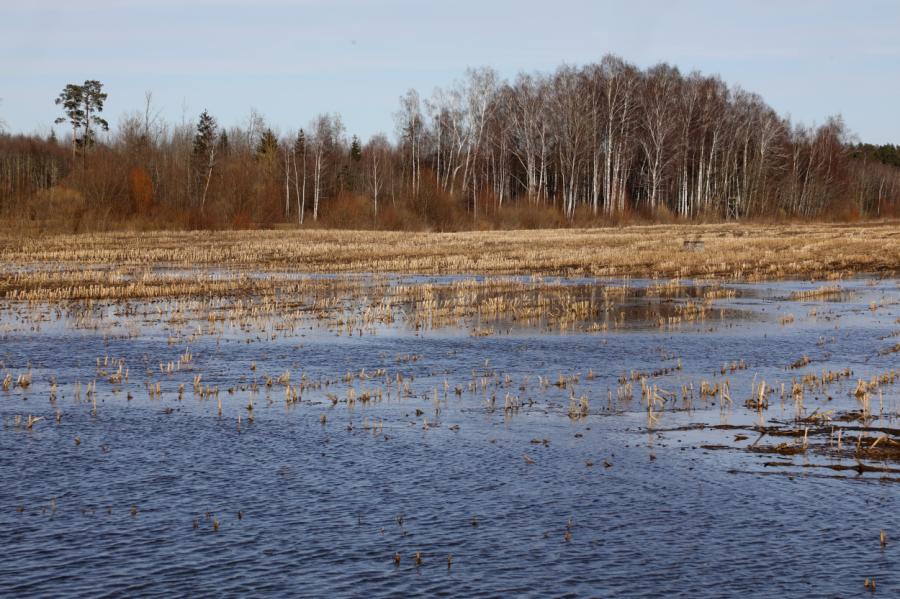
{"x": 355, "y": 150}
{"x": 82, "y": 105}
{"x": 300, "y": 143}
{"x": 93, "y": 100}
{"x": 268, "y": 145}
{"x": 203, "y": 157}
{"x": 224, "y": 144}
{"x": 205, "y": 137}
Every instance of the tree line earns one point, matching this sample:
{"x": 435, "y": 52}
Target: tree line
{"x": 581, "y": 145}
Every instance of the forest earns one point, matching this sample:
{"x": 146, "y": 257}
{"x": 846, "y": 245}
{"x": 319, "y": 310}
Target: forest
{"x": 602, "y": 143}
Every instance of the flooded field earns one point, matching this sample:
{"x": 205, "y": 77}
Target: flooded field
{"x": 180, "y": 431}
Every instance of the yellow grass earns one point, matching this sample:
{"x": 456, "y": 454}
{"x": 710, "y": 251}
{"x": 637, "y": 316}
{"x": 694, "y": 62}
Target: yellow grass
{"x": 729, "y": 251}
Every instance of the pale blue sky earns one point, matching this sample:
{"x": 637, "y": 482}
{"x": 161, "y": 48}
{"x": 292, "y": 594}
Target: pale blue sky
{"x": 291, "y": 60}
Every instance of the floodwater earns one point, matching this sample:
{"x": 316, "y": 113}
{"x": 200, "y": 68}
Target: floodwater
{"x": 452, "y": 444}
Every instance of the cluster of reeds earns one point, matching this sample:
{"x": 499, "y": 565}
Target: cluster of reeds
{"x": 822, "y": 292}
{"x": 23, "y": 381}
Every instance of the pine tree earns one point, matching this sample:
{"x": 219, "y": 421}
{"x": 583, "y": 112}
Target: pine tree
{"x": 82, "y": 105}
{"x": 93, "y": 100}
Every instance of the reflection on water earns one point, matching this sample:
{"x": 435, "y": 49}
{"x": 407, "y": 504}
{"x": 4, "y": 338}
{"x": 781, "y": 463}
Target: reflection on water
{"x": 628, "y": 438}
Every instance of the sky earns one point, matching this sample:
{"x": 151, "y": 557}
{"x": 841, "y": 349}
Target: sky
{"x": 292, "y": 60}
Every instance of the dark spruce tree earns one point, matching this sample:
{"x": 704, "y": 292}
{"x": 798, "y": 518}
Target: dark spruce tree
{"x": 268, "y": 145}
{"x": 203, "y": 157}
{"x": 205, "y": 136}
{"x": 355, "y": 150}
{"x": 300, "y": 144}
{"x": 224, "y": 144}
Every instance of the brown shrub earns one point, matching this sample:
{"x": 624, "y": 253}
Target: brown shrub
{"x": 398, "y": 218}
{"x": 348, "y": 211}
{"x": 242, "y": 220}
{"x": 526, "y": 215}
{"x": 58, "y": 209}
{"x": 140, "y": 187}
{"x": 440, "y": 210}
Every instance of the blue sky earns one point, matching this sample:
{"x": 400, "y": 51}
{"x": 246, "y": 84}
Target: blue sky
{"x": 291, "y": 60}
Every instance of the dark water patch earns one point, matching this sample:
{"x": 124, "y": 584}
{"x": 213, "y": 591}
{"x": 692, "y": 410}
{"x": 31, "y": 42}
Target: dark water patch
{"x": 164, "y": 496}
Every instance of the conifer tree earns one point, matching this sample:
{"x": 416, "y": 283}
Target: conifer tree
{"x": 355, "y": 150}
{"x": 82, "y": 105}
{"x": 203, "y": 157}
{"x": 224, "y": 144}
{"x": 268, "y": 145}
{"x": 300, "y": 143}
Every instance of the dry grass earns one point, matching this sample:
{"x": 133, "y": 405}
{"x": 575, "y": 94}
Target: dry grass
{"x": 750, "y": 252}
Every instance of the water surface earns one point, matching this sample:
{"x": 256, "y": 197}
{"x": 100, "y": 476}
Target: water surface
{"x": 132, "y": 493}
